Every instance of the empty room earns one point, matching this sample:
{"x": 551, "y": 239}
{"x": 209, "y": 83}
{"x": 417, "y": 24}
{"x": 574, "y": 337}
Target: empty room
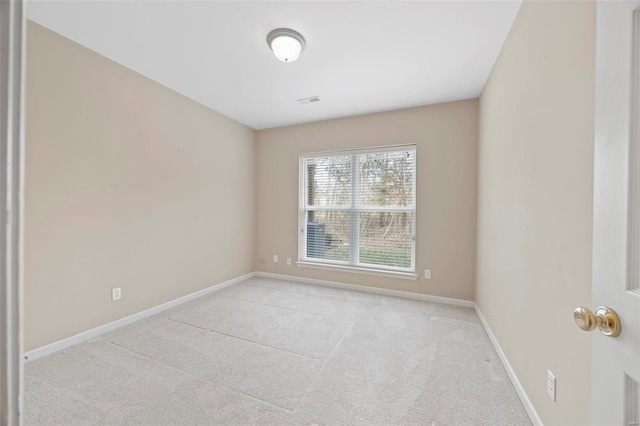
{"x": 320, "y": 212}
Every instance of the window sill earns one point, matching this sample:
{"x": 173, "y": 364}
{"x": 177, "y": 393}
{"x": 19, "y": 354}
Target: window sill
{"x": 358, "y": 270}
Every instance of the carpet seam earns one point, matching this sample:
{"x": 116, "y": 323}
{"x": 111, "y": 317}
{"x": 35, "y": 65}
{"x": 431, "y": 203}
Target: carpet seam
{"x": 289, "y": 309}
{"x": 361, "y": 301}
{"x": 247, "y": 340}
{"x": 327, "y": 361}
{"x": 297, "y": 310}
{"x": 194, "y": 376}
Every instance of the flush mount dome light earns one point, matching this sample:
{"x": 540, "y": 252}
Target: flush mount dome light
{"x": 286, "y": 44}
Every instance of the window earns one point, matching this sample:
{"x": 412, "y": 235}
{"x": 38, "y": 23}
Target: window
{"x": 357, "y": 208}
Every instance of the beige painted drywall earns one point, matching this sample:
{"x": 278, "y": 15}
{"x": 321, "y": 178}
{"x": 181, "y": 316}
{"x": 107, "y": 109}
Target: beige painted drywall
{"x": 446, "y": 139}
{"x": 128, "y": 184}
{"x": 535, "y": 202}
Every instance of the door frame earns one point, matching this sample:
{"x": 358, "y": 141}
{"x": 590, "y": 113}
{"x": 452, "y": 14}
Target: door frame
{"x": 12, "y": 60}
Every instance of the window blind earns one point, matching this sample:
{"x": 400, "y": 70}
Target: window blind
{"x": 358, "y": 208}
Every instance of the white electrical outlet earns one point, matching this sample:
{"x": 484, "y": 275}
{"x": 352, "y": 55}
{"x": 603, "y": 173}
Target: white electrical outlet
{"x": 427, "y": 274}
{"x": 288, "y": 261}
{"x": 116, "y": 294}
{"x": 551, "y": 385}
{"x": 275, "y": 258}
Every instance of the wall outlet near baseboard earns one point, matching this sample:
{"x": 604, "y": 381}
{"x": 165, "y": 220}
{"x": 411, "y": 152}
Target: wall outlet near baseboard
{"x": 275, "y": 258}
{"x": 427, "y": 274}
{"x": 116, "y": 294}
{"x": 288, "y": 261}
{"x": 551, "y": 385}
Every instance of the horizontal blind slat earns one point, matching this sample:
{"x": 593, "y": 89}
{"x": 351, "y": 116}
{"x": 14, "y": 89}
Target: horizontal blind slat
{"x": 361, "y": 208}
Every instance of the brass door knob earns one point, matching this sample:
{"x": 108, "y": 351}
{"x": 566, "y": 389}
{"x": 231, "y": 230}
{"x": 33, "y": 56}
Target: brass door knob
{"x": 604, "y": 318}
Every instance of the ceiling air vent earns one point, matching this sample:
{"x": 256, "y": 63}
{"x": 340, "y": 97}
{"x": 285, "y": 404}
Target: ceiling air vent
{"x": 309, "y": 100}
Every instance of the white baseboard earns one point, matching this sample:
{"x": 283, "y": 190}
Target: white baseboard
{"x": 89, "y": 334}
{"x": 528, "y": 405}
{"x": 367, "y": 289}
{"x": 97, "y": 331}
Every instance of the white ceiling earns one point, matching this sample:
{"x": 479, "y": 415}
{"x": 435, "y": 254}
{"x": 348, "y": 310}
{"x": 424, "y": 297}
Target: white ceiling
{"x": 361, "y": 57}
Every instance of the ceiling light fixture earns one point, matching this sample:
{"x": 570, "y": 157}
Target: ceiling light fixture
{"x": 286, "y": 44}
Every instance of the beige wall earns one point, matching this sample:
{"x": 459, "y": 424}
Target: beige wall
{"x": 128, "y": 184}
{"x": 446, "y": 139}
{"x": 535, "y": 202}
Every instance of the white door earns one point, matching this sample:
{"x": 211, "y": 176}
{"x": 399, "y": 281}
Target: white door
{"x": 615, "y": 361}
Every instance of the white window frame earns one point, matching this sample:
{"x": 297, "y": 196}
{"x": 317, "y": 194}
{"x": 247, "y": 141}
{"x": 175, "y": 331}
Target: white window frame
{"x": 354, "y": 210}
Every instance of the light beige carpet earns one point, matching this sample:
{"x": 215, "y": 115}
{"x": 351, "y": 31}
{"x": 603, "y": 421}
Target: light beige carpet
{"x": 271, "y": 352}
